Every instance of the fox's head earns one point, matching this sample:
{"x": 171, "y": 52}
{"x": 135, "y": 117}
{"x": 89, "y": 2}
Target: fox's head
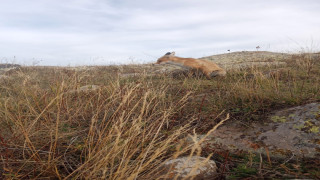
{"x": 165, "y": 58}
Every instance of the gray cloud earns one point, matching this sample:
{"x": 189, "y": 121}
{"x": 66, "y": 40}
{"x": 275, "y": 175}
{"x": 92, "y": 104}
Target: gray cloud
{"x": 80, "y": 32}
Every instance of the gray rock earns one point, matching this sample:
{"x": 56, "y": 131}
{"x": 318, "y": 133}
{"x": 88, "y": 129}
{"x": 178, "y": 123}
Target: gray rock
{"x": 7, "y": 67}
{"x": 245, "y": 59}
{"x": 87, "y": 88}
{"x": 194, "y": 167}
{"x": 292, "y": 132}
{"x": 295, "y": 129}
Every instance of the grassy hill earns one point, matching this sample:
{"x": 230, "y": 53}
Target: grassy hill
{"x": 130, "y": 119}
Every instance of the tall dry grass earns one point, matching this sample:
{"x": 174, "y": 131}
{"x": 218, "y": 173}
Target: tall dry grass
{"x": 122, "y": 130}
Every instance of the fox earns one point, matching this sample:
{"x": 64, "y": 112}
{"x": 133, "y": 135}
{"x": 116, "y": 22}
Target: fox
{"x": 206, "y": 67}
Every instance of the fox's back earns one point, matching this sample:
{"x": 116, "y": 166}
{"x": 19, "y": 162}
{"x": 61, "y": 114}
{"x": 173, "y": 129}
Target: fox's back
{"x": 207, "y": 64}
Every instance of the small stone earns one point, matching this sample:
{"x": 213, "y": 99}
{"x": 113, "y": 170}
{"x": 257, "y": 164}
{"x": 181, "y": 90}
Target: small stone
{"x": 195, "y": 167}
{"x": 87, "y": 88}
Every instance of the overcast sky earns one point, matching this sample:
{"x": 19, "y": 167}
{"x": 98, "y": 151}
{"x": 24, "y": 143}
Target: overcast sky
{"x": 86, "y": 32}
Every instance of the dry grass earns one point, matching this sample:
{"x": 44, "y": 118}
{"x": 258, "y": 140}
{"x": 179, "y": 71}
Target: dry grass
{"x": 121, "y": 131}
{"x": 129, "y": 126}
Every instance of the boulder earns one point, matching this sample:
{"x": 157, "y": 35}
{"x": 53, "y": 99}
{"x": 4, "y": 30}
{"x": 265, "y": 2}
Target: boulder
{"x": 86, "y": 89}
{"x": 295, "y": 130}
{"x": 194, "y": 167}
{"x": 290, "y": 132}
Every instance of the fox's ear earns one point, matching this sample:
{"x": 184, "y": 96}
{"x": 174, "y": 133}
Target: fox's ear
{"x": 170, "y": 53}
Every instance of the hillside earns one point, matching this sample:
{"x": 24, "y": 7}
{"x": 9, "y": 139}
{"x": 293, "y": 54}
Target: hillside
{"x": 249, "y": 58}
{"x": 131, "y": 122}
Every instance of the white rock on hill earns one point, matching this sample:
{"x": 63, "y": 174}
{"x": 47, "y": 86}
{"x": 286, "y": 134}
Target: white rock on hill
{"x": 87, "y": 88}
{"x": 195, "y": 167}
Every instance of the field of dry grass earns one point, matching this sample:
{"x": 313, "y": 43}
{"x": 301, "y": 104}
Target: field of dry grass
{"x": 128, "y": 126}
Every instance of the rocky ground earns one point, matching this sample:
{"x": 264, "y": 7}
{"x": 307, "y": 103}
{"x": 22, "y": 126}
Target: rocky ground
{"x": 287, "y": 133}
{"x": 249, "y": 58}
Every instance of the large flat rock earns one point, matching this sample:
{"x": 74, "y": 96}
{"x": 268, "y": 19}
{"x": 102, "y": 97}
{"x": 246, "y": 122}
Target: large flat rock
{"x": 286, "y": 133}
{"x": 245, "y": 59}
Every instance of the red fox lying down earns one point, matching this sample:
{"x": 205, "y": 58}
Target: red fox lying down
{"x": 208, "y": 68}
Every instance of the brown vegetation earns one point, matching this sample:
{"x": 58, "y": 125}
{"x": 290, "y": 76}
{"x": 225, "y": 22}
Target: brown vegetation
{"x": 130, "y": 126}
